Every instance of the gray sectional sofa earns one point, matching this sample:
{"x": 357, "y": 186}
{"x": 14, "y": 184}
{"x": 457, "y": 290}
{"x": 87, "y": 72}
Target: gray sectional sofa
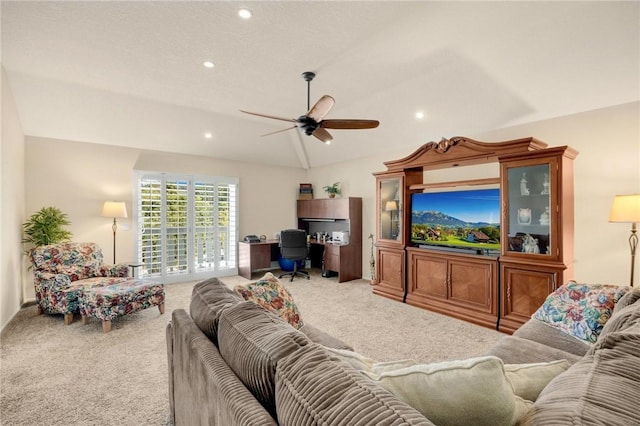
{"x": 232, "y": 362}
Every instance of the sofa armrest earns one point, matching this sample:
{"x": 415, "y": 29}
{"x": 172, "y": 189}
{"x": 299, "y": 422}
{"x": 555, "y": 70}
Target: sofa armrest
{"x": 516, "y": 350}
{"x": 325, "y": 339}
{"x": 117, "y": 270}
{"x": 543, "y": 333}
{"x": 203, "y": 389}
{"x": 51, "y": 281}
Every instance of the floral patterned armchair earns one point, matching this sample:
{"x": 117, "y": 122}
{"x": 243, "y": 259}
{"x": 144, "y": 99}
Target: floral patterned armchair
{"x": 62, "y": 270}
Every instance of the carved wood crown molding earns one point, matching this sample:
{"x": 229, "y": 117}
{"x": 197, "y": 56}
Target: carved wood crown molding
{"x": 460, "y": 151}
{"x": 444, "y": 144}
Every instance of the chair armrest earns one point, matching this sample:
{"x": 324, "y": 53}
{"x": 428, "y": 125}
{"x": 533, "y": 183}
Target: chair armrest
{"x": 117, "y": 270}
{"x": 51, "y": 281}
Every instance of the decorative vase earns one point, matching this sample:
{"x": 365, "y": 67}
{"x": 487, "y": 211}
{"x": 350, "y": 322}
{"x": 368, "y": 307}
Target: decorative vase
{"x": 332, "y": 195}
{"x": 524, "y": 216}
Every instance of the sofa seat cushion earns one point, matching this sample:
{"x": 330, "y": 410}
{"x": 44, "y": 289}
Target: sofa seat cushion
{"x": 269, "y": 293}
{"x": 541, "y": 332}
{"x": 474, "y": 391}
{"x": 602, "y": 388}
{"x": 580, "y": 310}
{"x": 208, "y": 299}
{"x": 516, "y": 350}
{"x": 252, "y": 340}
{"x": 314, "y": 389}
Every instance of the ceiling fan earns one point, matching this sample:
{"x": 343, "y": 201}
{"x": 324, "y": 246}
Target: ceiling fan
{"x": 312, "y": 122}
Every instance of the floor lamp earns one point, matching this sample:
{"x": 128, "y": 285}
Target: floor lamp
{"x": 391, "y": 206}
{"x": 626, "y": 208}
{"x": 114, "y": 209}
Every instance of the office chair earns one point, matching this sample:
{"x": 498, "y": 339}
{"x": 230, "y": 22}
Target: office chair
{"x": 293, "y": 246}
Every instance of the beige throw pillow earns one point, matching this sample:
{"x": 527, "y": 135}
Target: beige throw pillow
{"x": 528, "y": 380}
{"x": 363, "y": 363}
{"x": 474, "y": 391}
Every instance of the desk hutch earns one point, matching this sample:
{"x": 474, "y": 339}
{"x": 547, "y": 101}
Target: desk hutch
{"x": 319, "y": 215}
{"x": 499, "y": 290}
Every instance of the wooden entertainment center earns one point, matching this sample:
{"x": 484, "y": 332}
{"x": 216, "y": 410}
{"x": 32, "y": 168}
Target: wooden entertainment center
{"x": 494, "y": 288}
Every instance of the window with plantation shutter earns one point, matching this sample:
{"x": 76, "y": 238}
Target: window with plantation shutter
{"x": 186, "y": 226}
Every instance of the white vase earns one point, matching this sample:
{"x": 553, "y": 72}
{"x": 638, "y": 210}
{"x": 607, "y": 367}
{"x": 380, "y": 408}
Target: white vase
{"x": 524, "y": 216}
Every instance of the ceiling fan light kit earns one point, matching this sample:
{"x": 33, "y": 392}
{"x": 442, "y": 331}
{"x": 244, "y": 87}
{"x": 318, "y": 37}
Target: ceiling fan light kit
{"x": 313, "y": 123}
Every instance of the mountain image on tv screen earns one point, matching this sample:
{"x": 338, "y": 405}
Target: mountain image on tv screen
{"x": 461, "y": 219}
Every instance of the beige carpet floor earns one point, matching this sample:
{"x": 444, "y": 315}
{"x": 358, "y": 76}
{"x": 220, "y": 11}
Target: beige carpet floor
{"x": 77, "y": 375}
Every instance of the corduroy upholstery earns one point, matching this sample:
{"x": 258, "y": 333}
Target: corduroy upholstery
{"x": 208, "y": 299}
{"x": 312, "y": 389}
{"x": 600, "y": 389}
{"x": 204, "y": 390}
{"x": 252, "y": 340}
{"x": 258, "y": 370}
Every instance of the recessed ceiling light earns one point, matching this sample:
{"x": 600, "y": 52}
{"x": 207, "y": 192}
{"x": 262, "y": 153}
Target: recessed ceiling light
{"x": 208, "y": 64}
{"x": 245, "y": 13}
{"x": 208, "y": 135}
{"x": 419, "y": 115}
{"x": 328, "y": 142}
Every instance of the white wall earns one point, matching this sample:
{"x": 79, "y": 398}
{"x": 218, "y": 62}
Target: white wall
{"x": 608, "y": 164}
{"x": 78, "y": 177}
{"x": 12, "y": 206}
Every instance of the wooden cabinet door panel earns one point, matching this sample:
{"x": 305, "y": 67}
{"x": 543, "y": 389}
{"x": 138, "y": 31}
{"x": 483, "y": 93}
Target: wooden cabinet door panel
{"x": 471, "y": 285}
{"x": 525, "y": 291}
{"x": 429, "y": 276}
{"x": 391, "y": 270}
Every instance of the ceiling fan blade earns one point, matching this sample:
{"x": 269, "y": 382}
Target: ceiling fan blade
{"x": 292, "y": 120}
{"x": 321, "y": 108}
{"x": 279, "y": 131}
{"x": 322, "y": 134}
{"x": 349, "y": 124}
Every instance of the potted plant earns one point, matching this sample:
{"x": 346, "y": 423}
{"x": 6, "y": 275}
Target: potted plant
{"x": 46, "y": 226}
{"x": 333, "y": 189}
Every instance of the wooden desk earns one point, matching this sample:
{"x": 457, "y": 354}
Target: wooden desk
{"x": 340, "y": 258}
{"x": 256, "y": 256}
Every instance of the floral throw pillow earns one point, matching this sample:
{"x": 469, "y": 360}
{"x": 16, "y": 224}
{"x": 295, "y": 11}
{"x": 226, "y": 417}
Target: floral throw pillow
{"x": 580, "y": 310}
{"x": 269, "y": 293}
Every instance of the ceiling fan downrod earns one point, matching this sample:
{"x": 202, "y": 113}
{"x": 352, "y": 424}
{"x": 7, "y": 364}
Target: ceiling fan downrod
{"x": 308, "y": 76}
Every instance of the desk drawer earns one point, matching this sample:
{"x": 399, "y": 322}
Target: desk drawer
{"x": 332, "y": 257}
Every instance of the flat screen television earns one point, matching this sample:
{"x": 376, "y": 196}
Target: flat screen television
{"x": 457, "y": 219}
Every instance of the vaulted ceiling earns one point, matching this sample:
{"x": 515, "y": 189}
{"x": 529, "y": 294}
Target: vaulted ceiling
{"x": 130, "y": 73}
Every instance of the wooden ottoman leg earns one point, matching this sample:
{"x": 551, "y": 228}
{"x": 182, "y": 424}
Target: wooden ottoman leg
{"x": 106, "y": 326}
{"x": 68, "y": 318}
{"x": 85, "y": 319}
{"x": 161, "y": 308}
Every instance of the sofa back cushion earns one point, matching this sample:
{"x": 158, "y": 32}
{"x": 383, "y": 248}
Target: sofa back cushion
{"x": 624, "y": 316}
{"x": 252, "y": 341}
{"x": 208, "y": 299}
{"x": 601, "y": 388}
{"x": 313, "y": 389}
{"x": 632, "y": 297}
{"x": 76, "y": 260}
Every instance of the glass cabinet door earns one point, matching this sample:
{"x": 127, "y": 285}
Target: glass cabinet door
{"x": 390, "y": 209}
{"x": 528, "y": 210}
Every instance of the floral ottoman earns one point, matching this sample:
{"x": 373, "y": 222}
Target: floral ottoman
{"x": 111, "y": 301}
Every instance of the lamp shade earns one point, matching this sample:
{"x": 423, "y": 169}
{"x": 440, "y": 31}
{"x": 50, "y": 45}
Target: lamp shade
{"x": 391, "y": 206}
{"x": 114, "y": 209}
{"x": 626, "y": 208}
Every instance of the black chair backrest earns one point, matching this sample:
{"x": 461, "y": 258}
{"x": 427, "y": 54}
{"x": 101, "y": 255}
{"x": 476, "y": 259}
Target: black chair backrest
{"x": 293, "y": 244}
